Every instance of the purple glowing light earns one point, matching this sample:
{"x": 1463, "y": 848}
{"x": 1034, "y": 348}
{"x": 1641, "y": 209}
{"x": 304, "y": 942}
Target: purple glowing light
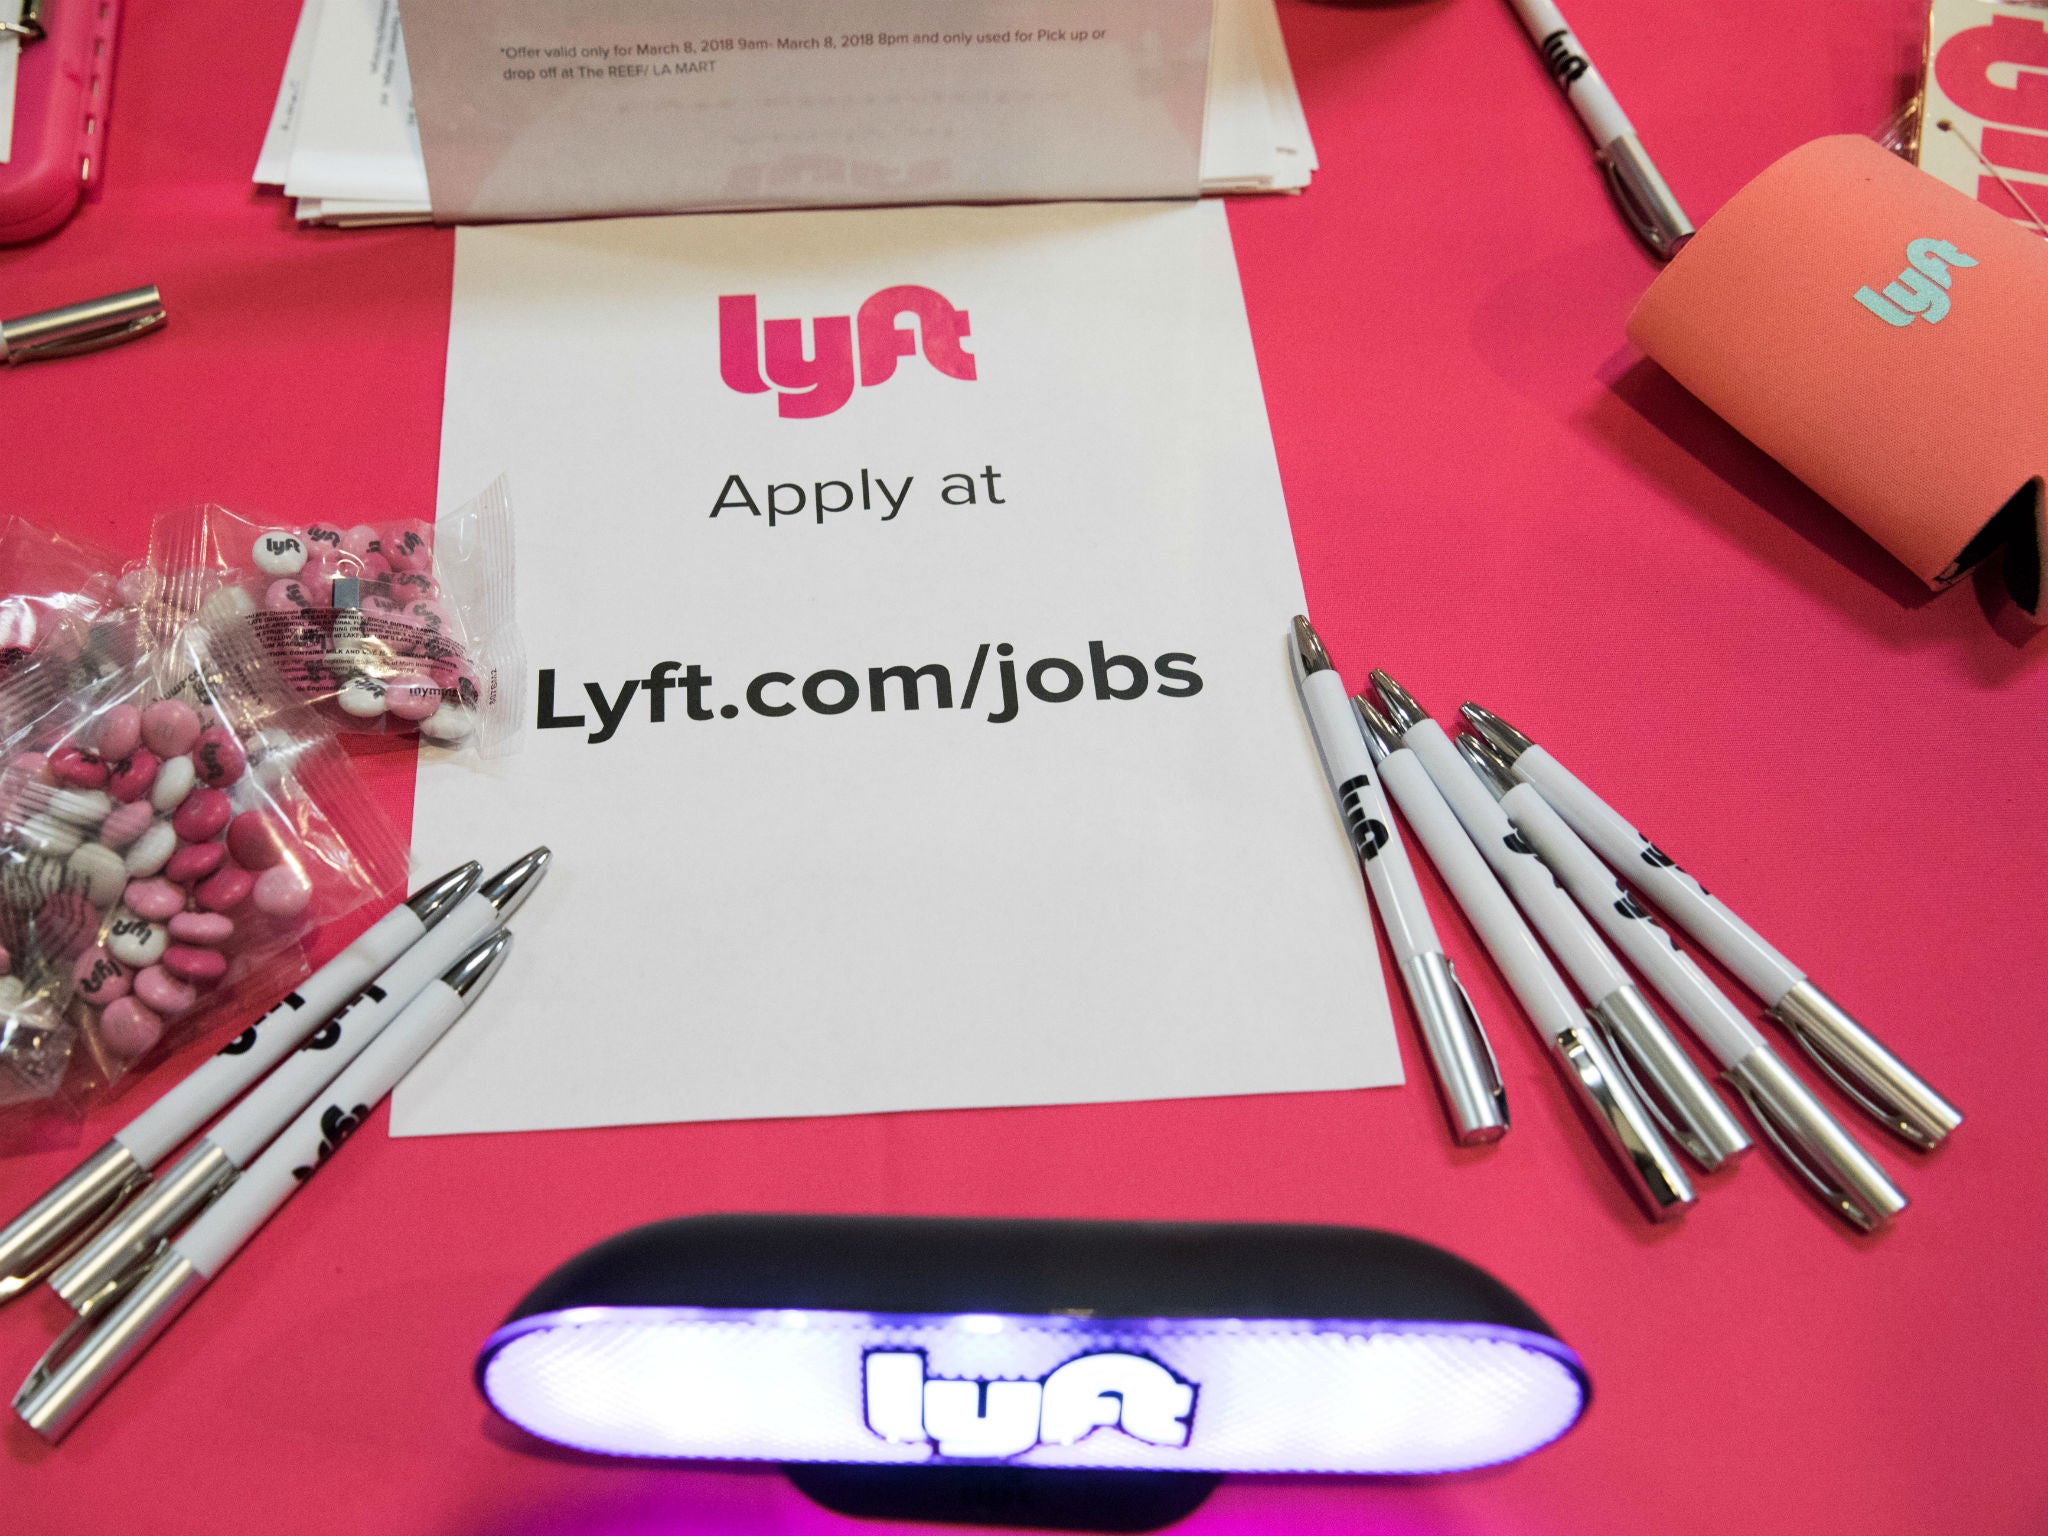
{"x": 1181, "y": 1394}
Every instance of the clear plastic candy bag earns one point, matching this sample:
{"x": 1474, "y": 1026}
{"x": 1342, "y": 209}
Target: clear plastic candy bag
{"x": 169, "y": 835}
{"x": 390, "y": 628}
{"x": 57, "y": 598}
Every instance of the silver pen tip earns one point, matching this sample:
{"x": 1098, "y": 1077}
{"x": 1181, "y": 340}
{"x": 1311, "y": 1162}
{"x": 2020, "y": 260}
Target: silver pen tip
{"x": 1309, "y": 645}
{"x": 1381, "y": 739}
{"x": 431, "y": 902}
{"x": 1502, "y": 737}
{"x": 475, "y": 969}
{"x": 510, "y": 886}
{"x": 1402, "y": 709}
{"x": 1494, "y": 772}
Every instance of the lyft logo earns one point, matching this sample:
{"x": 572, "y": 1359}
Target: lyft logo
{"x": 996, "y": 1419}
{"x": 1922, "y": 289}
{"x": 753, "y": 355}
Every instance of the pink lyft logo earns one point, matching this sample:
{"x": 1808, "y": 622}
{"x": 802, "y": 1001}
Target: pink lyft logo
{"x": 819, "y": 383}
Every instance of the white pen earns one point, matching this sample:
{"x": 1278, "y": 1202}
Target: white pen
{"x": 1645, "y": 201}
{"x": 1625, "y": 1127}
{"x": 1671, "y": 1087}
{"x": 1810, "y": 1140}
{"x": 1465, "y": 1069}
{"x": 39, "y": 1239}
{"x": 1873, "y": 1078}
{"x": 100, "y": 1268}
{"x": 96, "y": 1349}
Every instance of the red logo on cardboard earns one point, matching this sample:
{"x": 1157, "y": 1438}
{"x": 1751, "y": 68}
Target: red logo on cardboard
{"x": 753, "y": 356}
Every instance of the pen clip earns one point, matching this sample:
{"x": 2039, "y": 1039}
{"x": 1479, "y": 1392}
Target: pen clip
{"x": 75, "y": 329}
{"x": 1655, "y": 1177}
{"x": 1655, "y": 1105}
{"x": 1467, "y": 1074}
{"x": 1868, "y": 1075}
{"x": 1677, "y": 1097}
{"x": 74, "y": 1337}
{"x": 50, "y": 1232}
{"x": 1645, "y": 201}
{"x": 90, "y": 1355}
{"x": 29, "y": 27}
{"x": 1813, "y": 1144}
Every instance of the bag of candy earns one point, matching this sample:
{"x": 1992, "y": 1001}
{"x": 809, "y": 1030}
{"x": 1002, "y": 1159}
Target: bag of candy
{"x": 169, "y": 834}
{"x": 57, "y": 598}
{"x": 392, "y": 628}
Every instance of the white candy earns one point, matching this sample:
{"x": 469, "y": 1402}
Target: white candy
{"x": 362, "y": 697}
{"x": 451, "y": 722}
{"x": 279, "y": 553}
{"x": 174, "y": 781}
{"x": 225, "y": 604}
{"x": 47, "y": 835}
{"x": 136, "y": 940}
{"x": 80, "y": 807}
{"x": 151, "y": 851}
{"x": 104, "y": 872}
{"x": 12, "y": 993}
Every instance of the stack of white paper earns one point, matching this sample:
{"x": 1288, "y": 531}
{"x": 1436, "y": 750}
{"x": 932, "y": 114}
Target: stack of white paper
{"x": 343, "y": 143}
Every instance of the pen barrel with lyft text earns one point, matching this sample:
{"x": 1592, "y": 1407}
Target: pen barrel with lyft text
{"x": 55, "y": 1226}
{"x": 100, "y": 1346}
{"x": 212, "y": 1164}
{"x": 1460, "y": 1056}
{"x": 1811, "y": 1141}
{"x": 1664, "y": 1077}
{"x": 1639, "y": 189}
{"x": 1625, "y": 1128}
{"x": 1880, "y": 1084}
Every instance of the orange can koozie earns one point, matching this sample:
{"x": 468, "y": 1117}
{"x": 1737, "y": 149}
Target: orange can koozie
{"x": 1884, "y": 338}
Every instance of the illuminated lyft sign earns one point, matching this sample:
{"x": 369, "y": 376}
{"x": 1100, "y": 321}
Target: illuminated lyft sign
{"x": 991, "y": 1420}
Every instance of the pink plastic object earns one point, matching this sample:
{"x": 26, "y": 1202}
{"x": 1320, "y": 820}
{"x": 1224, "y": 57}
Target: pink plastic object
{"x": 61, "y": 98}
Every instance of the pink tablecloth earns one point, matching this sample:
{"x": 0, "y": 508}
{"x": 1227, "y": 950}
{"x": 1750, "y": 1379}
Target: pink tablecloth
{"x": 1492, "y": 497}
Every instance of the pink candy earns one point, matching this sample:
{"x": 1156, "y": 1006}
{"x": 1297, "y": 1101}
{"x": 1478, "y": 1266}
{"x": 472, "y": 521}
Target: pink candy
{"x": 154, "y": 899}
{"x": 219, "y": 757}
{"x": 127, "y": 823}
{"x": 410, "y": 696}
{"x": 133, "y": 779}
{"x": 100, "y": 977}
{"x": 362, "y": 541}
{"x": 163, "y": 992}
{"x": 225, "y": 889}
{"x": 202, "y": 815}
{"x": 253, "y": 841}
{"x": 195, "y": 861}
{"x": 409, "y": 546}
{"x": 73, "y": 767}
{"x": 202, "y": 928}
{"x": 191, "y": 963}
{"x": 118, "y": 733}
{"x": 128, "y": 1029}
{"x": 282, "y": 892}
{"x": 286, "y": 595}
{"x": 170, "y": 727}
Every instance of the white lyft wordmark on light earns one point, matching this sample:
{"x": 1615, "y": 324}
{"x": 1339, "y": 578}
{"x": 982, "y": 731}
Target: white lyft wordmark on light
{"x": 993, "y": 1419}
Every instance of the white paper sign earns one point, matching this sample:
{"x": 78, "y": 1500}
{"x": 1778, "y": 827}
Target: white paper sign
{"x": 536, "y": 109}
{"x": 1984, "y": 117}
{"x": 776, "y": 472}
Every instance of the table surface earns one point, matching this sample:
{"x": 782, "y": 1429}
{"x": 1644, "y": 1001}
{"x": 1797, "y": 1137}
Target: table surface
{"x": 1493, "y": 496}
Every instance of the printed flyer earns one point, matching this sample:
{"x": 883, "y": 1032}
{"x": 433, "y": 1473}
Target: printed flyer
{"x": 907, "y": 596}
